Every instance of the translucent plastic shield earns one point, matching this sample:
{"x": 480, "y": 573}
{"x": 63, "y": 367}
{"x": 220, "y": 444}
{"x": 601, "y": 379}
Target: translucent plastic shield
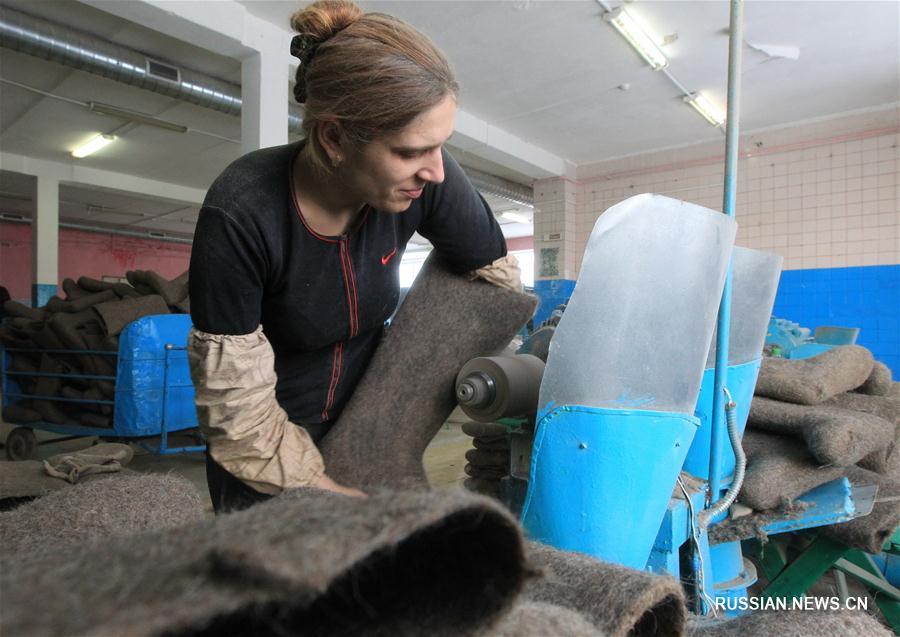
{"x": 637, "y": 328}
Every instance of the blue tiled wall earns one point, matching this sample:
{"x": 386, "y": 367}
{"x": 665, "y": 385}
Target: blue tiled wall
{"x": 863, "y": 297}
{"x": 551, "y": 293}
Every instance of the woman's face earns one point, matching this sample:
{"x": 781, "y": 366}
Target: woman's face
{"x": 390, "y": 172}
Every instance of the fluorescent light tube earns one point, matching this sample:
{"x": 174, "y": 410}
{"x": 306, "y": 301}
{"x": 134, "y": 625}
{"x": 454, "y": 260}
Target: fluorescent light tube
{"x": 706, "y": 108}
{"x": 515, "y": 216}
{"x": 98, "y": 142}
{"x": 637, "y": 37}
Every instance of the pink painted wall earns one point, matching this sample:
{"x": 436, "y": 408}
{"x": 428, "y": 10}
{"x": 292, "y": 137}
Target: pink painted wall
{"x": 86, "y": 254}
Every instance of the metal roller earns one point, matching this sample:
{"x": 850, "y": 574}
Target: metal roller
{"x": 493, "y": 387}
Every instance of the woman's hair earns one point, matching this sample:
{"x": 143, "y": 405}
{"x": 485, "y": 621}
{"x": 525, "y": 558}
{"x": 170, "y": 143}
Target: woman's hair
{"x": 372, "y": 73}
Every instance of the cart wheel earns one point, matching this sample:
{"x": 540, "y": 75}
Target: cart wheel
{"x": 20, "y": 443}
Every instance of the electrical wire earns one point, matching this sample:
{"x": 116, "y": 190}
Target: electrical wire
{"x": 697, "y": 557}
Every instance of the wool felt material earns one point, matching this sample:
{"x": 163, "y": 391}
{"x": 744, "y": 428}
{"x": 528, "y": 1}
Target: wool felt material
{"x": 886, "y": 461}
{"x": 484, "y": 429}
{"x": 833, "y": 435}
{"x": 485, "y": 472}
{"x": 488, "y": 444}
{"x": 485, "y": 486}
{"x": 96, "y": 510}
{"x": 791, "y": 623}
{"x": 619, "y": 601}
{"x": 306, "y": 562}
{"x": 870, "y": 532}
{"x": 117, "y": 314}
{"x": 73, "y": 290}
{"x": 172, "y": 291}
{"x": 107, "y": 457}
{"x": 810, "y": 381}
{"x": 894, "y": 391}
{"x": 407, "y": 392}
{"x": 20, "y": 414}
{"x": 487, "y": 458}
{"x": 879, "y": 381}
{"x": 752, "y": 525}
{"x": 778, "y": 470}
{"x": 539, "y": 619}
{"x": 94, "y": 285}
{"x": 14, "y": 308}
{"x": 56, "y": 304}
{"x": 49, "y": 386}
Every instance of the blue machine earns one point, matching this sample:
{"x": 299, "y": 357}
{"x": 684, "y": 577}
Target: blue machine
{"x": 154, "y": 395}
{"x": 788, "y": 340}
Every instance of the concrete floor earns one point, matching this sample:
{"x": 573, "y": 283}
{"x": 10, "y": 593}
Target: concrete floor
{"x": 444, "y": 458}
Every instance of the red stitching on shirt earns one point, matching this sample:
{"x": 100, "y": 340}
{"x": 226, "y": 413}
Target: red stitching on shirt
{"x": 355, "y": 296}
{"x": 347, "y": 288}
{"x": 337, "y": 361}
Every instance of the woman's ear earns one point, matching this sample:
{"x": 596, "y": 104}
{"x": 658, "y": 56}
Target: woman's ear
{"x": 331, "y": 138}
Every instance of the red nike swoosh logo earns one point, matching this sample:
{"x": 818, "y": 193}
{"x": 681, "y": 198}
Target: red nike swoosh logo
{"x": 388, "y": 256}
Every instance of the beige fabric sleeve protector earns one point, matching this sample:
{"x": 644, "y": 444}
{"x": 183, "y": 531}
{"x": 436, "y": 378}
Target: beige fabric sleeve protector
{"x": 504, "y": 273}
{"x": 248, "y": 432}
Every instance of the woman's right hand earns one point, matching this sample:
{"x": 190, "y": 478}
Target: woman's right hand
{"x": 328, "y": 484}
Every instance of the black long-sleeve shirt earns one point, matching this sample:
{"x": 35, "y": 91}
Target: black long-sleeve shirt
{"x": 322, "y": 301}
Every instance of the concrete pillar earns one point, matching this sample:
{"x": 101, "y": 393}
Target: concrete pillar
{"x": 45, "y": 240}
{"x": 264, "y": 98}
{"x": 556, "y": 246}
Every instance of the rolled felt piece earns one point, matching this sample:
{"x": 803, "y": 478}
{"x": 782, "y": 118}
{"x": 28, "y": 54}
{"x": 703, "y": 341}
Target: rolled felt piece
{"x": 484, "y": 429}
{"x": 879, "y": 381}
{"x": 73, "y": 290}
{"x": 490, "y": 473}
{"x": 488, "y": 458}
{"x": 810, "y": 381}
{"x": 779, "y": 469}
{"x": 20, "y": 414}
{"x": 619, "y": 601}
{"x": 408, "y": 389}
{"x": 833, "y": 435}
{"x": 539, "y": 619}
{"x": 307, "y": 562}
{"x": 94, "y": 285}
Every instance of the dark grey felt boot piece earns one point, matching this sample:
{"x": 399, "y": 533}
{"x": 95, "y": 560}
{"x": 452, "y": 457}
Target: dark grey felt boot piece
{"x": 112, "y": 505}
{"x": 484, "y": 486}
{"x": 173, "y": 291}
{"x": 887, "y": 407}
{"x": 20, "y": 414}
{"x": 484, "y": 430}
{"x": 73, "y": 290}
{"x": 619, "y": 601}
{"x": 94, "y": 285}
{"x": 117, "y": 314}
{"x": 307, "y": 562}
{"x": 790, "y": 623}
{"x": 66, "y": 326}
{"x": 539, "y": 619}
{"x": 833, "y": 435}
{"x": 14, "y": 308}
{"x": 407, "y": 392}
{"x": 485, "y": 472}
{"x": 49, "y": 386}
{"x": 80, "y": 304}
{"x": 487, "y": 458}
{"x": 870, "y": 532}
{"x": 779, "y": 469}
{"x": 810, "y": 381}
{"x": 879, "y": 381}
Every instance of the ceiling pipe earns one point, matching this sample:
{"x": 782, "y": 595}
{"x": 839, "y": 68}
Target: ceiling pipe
{"x": 64, "y": 45}
{"x": 79, "y": 50}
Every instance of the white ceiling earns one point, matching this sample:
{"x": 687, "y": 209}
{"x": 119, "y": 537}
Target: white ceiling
{"x": 547, "y": 72}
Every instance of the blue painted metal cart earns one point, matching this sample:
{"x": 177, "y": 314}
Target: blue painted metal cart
{"x": 153, "y": 396}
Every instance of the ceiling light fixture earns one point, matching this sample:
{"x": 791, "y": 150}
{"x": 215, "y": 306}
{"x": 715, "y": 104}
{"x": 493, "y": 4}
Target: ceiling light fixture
{"x": 92, "y": 146}
{"x": 706, "y": 108}
{"x": 637, "y": 37}
{"x": 516, "y": 217}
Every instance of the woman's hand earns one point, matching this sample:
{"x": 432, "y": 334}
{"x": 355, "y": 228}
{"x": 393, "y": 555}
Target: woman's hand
{"x": 328, "y": 484}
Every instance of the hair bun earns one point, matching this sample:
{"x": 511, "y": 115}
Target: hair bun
{"x": 323, "y": 19}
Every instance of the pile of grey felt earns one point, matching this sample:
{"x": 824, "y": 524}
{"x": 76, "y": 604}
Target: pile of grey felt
{"x": 137, "y": 555}
{"x": 90, "y": 316}
{"x": 818, "y": 419}
{"x": 487, "y": 462}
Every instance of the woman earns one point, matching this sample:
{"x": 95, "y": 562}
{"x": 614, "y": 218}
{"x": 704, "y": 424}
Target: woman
{"x": 294, "y": 267}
